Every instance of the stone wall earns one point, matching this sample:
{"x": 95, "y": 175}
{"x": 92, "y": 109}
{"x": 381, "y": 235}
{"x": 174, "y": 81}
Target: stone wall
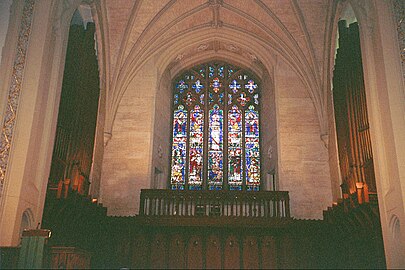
{"x": 303, "y": 158}
{"x": 127, "y": 156}
{"x": 268, "y": 132}
{"x": 137, "y": 155}
{"x": 162, "y": 133}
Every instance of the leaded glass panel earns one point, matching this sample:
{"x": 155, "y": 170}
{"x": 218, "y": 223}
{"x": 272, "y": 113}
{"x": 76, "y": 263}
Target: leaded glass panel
{"x": 216, "y": 140}
{"x": 179, "y": 150}
{"x": 196, "y": 148}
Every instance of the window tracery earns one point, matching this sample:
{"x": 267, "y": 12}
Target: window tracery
{"x": 215, "y": 136}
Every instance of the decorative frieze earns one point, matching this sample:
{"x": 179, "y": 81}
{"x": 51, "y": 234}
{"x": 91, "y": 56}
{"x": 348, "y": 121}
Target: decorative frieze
{"x": 14, "y": 90}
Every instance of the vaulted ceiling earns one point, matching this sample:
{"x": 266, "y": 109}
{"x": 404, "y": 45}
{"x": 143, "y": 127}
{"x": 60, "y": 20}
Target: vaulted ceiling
{"x": 250, "y": 31}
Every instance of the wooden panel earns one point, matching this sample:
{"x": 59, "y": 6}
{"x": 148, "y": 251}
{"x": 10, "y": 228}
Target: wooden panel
{"x": 250, "y": 253}
{"x": 158, "y": 256}
{"x": 269, "y": 253}
{"x": 69, "y": 258}
{"x": 214, "y": 203}
{"x": 176, "y": 253}
{"x": 213, "y": 252}
{"x": 140, "y": 252}
{"x": 287, "y": 252}
{"x": 195, "y": 253}
{"x": 232, "y": 253}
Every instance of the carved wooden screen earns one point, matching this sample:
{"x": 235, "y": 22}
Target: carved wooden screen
{"x": 352, "y": 127}
{"x": 215, "y": 136}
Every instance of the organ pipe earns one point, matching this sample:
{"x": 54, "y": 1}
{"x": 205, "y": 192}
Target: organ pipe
{"x": 352, "y": 126}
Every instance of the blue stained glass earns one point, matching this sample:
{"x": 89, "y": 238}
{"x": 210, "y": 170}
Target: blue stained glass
{"x": 252, "y": 149}
{"x": 243, "y": 99}
{"x": 198, "y": 134}
{"x": 229, "y": 99}
{"x": 221, "y": 71}
{"x": 215, "y": 148}
{"x": 196, "y": 148}
{"x": 198, "y": 86}
{"x": 189, "y": 99}
{"x": 179, "y": 149}
{"x": 216, "y": 85}
{"x": 252, "y": 122}
{"x": 235, "y": 166}
{"x": 202, "y": 72}
{"x": 180, "y": 122}
{"x": 252, "y": 161}
{"x": 230, "y": 72}
{"x": 182, "y": 86}
{"x": 221, "y": 98}
{"x": 235, "y": 86}
{"x": 211, "y": 71}
{"x": 251, "y": 86}
{"x": 256, "y": 97}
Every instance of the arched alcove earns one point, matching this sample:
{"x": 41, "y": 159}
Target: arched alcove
{"x": 217, "y": 116}
{"x": 397, "y": 236}
{"x": 164, "y": 103}
{"x": 26, "y": 220}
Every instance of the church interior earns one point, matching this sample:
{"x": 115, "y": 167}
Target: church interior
{"x": 261, "y": 134}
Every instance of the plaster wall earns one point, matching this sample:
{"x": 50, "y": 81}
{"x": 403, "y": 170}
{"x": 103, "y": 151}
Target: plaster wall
{"x": 303, "y": 158}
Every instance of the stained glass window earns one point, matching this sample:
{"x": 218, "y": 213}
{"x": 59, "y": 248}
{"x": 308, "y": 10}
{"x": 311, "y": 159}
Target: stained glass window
{"x": 179, "y": 149}
{"x": 215, "y": 146}
{"x": 235, "y": 148}
{"x": 196, "y": 148}
{"x": 216, "y": 139}
{"x": 252, "y": 148}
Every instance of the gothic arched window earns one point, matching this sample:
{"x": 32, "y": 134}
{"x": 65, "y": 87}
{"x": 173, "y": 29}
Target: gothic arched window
{"x": 216, "y": 142}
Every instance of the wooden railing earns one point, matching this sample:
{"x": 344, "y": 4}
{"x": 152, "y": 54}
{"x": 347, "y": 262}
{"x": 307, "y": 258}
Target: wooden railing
{"x": 165, "y": 202}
